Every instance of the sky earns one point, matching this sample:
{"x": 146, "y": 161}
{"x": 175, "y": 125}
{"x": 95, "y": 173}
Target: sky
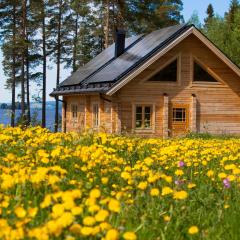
{"x": 189, "y": 6}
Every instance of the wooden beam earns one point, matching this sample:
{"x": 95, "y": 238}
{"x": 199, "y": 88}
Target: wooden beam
{"x": 193, "y": 114}
{"x": 165, "y": 115}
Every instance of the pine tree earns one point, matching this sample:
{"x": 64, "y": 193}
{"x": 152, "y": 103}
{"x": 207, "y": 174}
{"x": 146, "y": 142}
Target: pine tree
{"x": 194, "y": 19}
{"x": 147, "y": 16}
{"x": 57, "y": 28}
{"x": 23, "y": 58}
{"x": 79, "y": 10}
{"x": 210, "y": 14}
{"x": 9, "y": 36}
{"x": 39, "y": 9}
{"x": 234, "y": 7}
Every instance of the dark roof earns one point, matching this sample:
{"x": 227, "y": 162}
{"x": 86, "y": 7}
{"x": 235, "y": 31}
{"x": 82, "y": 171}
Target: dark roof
{"x": 104, "y": 71}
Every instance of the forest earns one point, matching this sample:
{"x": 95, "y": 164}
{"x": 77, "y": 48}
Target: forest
{"x": 38, "y": 34}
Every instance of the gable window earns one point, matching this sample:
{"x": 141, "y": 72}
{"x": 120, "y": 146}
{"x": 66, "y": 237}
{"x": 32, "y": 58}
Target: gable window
{"x": 143, "y": 117}
{"x": 201, "y": 75}
{"x": 74, "y": 111}
{"x": 95, "y": 115}
{"x": 167, "y": 74}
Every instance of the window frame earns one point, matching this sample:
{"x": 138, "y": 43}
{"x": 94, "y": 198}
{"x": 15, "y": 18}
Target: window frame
{"x": 219, "y": 82}
{"x": 174, "y": 116}
{"x": 93, "y": 115}
{"x": 142, "y": 129}
{"x": 74, "y": 114}
{"x": 177, "y": 57}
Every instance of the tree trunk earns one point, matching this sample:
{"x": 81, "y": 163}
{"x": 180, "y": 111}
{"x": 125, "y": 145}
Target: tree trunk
{"x": 13, "y": 68}
{"x": 58, "y": 62}
{"x": 106, "y": 28}
{"x": 44, "y": 67}
{"x": 75, "y": 45}
{"x": 23, "y": 62}
{"x": 27, "y": 83}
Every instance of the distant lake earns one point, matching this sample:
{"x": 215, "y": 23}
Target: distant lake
{"x": 5, "y": 116}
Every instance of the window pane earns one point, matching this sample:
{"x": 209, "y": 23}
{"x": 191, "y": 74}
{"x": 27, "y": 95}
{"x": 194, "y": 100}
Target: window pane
{"x": 147, "y": 117}
{"x": 74, "y": 111}
{"x": 202, "y": 75}
{"x": 169, "y": 73}
{"x": 147, "y": 110}
{"x": 138, "y": 123}
{"x": 139, "y": 109}
{"x": 179, "y": 114}
{"x": 95, "y": 115}
{"x": 147, "y": 124}
{"x": 139, "y": 117}
{"x": 143, "y": 117}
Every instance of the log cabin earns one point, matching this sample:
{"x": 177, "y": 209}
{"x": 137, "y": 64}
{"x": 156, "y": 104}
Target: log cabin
{"x": 164, "y": 84}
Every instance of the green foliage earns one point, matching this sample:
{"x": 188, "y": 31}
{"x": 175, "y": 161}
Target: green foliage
{"x": 224, "y": 31}
{"x": 194, "y": 19}
{"x": 147, "y": 16}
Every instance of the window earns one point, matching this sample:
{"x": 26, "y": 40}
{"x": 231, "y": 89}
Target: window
{"x": 74, "y": 111}
{"x": 201, "y": 75}
{"x": 179, "y": 115}
{"x": 95, "y": 115}
{"x": 167, "y": 74}
{"x": 143, "y": 118}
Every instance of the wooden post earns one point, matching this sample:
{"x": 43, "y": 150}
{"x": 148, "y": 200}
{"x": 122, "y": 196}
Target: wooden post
{"x": 165, "y": 115}
{"x": 119, "y": 117}
{"x": 64, "y": 115}
{"x": 114, "y": 116}
{"x": 193, "y": 113}
{"x": 101, "y": 115}
{"x": 88, "y": 123}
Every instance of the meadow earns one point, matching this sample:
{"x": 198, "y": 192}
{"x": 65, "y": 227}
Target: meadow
{"x": 98, "y": 186}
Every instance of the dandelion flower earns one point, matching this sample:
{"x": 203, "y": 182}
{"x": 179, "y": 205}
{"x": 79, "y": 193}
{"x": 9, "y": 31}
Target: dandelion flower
{"x": 193, "y": 230}
{"x": 129, "y": 236}
{"x": 180, "y": 195}
{"x": 154, "y": 192}
{"x": 112, "y": 234}
{"x": 166, "y": 191}
{"x": 114, "y": 205}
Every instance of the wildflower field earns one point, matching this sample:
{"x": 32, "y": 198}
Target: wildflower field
{"x": 70, "y": 186}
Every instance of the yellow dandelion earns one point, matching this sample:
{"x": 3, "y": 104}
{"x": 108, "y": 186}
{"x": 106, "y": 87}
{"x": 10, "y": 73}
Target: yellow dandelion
{"x": 112, "y": 234}
{"x": 20, "y": 212}
{"x": 114, "y": 205}
{"x": 193, "y": 230}
{"x": 154, "y": 192}
{"x": 101, "y": 215}
{"x": 166, "y": 191}
{"x": 95, "y": 193}
{"x": 89, "y": 221}
{"x": 180, "y": 195}
{"x": 129, "y": 236}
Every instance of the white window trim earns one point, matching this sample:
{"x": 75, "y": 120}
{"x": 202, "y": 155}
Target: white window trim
{"x": 153, "y": 128}
{"x": 177, "y": 57}
{"x": 96, "y": 103}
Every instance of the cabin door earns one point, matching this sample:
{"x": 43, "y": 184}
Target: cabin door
{"x": 179, "y": 119}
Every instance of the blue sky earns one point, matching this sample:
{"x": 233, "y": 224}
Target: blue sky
{"x": 220, "y": 7}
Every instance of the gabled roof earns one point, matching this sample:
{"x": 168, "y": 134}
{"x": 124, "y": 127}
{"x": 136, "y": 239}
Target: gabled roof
{"x": 107, "y": 74}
